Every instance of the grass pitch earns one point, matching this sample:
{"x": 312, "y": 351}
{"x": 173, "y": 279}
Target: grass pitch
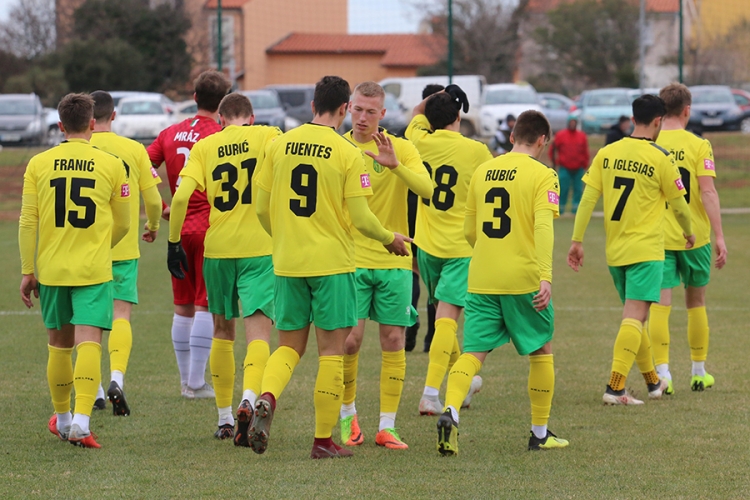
{"x": 691, "y": 445}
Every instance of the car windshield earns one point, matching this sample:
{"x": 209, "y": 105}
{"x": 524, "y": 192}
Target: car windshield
{"x": 612, "y": 99}
{"x": 141, "y": 108}
{"x": 712, "y": 97}
{"x": 511, "y": 96}
{"x": 391, "y": 104}
{"x": 17, "y": 108}
{"x": 264, "y": 101}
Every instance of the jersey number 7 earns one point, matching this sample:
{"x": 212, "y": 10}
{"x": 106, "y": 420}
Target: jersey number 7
{"x": 628, "y": 184}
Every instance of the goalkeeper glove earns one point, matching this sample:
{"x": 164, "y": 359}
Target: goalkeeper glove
{"x": 176, "y": 260}
{"x": 459, "y": 97}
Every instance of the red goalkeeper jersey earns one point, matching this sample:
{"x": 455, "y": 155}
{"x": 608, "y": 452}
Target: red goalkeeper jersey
{"x": 173, "y": 147}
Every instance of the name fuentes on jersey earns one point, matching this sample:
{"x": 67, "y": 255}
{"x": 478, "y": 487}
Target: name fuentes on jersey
{"x": 305, "y": 149}
{"x": 629, "y": 166}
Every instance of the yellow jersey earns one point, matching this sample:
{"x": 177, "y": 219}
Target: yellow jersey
{"x": 694, "y": 158}
{"x": 388, "y": 203}
{"x": 310, "y": 171}
{"x": 451, "y": 159}
{"x": 224, "y": 165}
{"x": 635, "y": 177}
{"x": 141, "y": 175}
{"x": 74, "y": 184}
{"x": 504, "y": 194}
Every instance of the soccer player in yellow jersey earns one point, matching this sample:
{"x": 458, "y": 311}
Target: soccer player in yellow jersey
{"x": 383, "y": 280}
{"x": 237, "y": 264}
{"x": 695, "y": 160}
{"x": 511, "y": 203}
{"x": 313, "y": 187}
{"x": 143, "y": 178}
{"x": 635, "y": 176}
{"x": 76, "y": 201}
{"x": 444, "y": 254}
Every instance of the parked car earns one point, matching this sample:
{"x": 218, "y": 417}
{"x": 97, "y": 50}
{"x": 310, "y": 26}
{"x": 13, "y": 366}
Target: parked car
{"x": 22, "y": 119}
{"x": 184, "y": 110}
{"x": 636, "y": 93}
{"x": 119, "y": 94}
{"x": 267, "y": 108}
{"x": 296, "y": 100}
{"x": 742, "y": 99}
{"x": 141, "y": 117}
{"x": 54, "y": 134}
{"x": 557, "y": 109}
{"x": 714, "y": 108}
{"x": 394, "y": 121}
{"x": 602, "y": 108}
{"x": 503, "y": 99}
{"x": 408, "y": 91}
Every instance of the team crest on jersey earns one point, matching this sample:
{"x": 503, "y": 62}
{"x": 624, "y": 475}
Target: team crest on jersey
{"x": 679, "y": 184}
{"x": 377, "y": 166}
{"x": 124, "y": 191}
{"x": 709, "y": 164}
{"x": 553, "y": 197}
{"x": 364, "y": 180}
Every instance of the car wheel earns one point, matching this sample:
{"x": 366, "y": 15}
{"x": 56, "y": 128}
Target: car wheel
{"x": 745, "y": 126}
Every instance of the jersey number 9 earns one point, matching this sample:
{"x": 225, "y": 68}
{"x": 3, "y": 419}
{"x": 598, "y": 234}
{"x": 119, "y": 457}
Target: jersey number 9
{"x": 74, "y": 218}
{"x": 305, "y": 184}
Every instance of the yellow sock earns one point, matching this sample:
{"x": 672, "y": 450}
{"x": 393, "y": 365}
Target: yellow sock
{"x": 60, "y": 377}
{"x": 256, "y": 358}
{"x": 120, "y": 344}
{"x": 279, "y": 370}
{"x": 626, "y": 348}
{"x": 392, "y": 374}
{"x": 351, "y": 368}
{"x": 645, "y": 359}
{"x": 658, "y": 329}
{"x": 440, "y": 351}
{"x": 87, "y": 376}
{"x": 541, "y": 387}
{"x": 697, "y": 327}
{"x": 455, "y": 353}
{"x": 459, "y": 380}
{"x": 221, "y": 361}
{"x": 329, "y": 386}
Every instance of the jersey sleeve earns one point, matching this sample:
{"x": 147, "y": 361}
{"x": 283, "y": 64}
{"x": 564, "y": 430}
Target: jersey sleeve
{"x": 418, "y": 127}
{"x": 196, "y": 165}
{"x": 670, "y": 178}
{"x": 548, "y": 193}
{"x": 471, "y": 199}
{"x": 357, "y": 179}
{"x": 156, "y": 151}
{"x": 120, "y": 186}
{"x": 705, "y": 166}
{"x": 593, "y": 176}
{"x": 148, "y": 176}
{"x": 264, "y": 176}
{"x": 483, "y": 153}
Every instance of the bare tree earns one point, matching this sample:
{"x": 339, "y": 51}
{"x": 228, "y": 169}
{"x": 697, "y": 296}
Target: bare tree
{"x": 29, "y": 31}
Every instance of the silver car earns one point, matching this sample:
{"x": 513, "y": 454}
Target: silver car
{"x": 22, "y": 120}
{"x": 267, "y": 108}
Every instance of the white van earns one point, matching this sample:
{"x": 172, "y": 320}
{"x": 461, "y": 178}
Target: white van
{"x": 408, "y": 91}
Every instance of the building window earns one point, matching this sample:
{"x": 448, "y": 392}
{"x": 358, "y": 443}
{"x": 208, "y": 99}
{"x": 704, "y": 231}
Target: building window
{"x": 227, "y": 36}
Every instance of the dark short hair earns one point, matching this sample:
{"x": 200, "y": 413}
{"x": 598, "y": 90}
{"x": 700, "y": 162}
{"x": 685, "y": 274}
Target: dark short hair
{"x": 440, "y": 110}
{"x": 647, "y": 108}
{"x": 510, "y": 118}
{"x": 76, "y": 112}
{"x": 104, "y": 105}
{"x": 235, "y": 106}
{"x": 432, "y": 88}
{"x": 210, "y": 88}
{"x": 676, "y": 98}
{"x": 330, "y": 93}
{"x": 623, "y": 119}
{"x": 530, "y": 126}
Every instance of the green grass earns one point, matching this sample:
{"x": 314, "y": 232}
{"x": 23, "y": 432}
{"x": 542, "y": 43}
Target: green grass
{"x": 692, "y": 445}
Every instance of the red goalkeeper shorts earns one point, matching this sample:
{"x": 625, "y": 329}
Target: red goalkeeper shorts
{"x": 192, "y": 289}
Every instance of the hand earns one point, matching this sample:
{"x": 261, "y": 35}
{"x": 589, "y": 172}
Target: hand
{"x": 29, "y": 283}
{"x": 690, "y": 241}
{"x": 575, "y": 255}
{"x": 149, "y": 236}
{"x": 721, "y": 253}
{"x": 177, "y": 260}
{"x": 386, "y": 155}
{"x": 165, "y": 213}
{"x": 398, "y": 245}
{"x": 542, "y": 299}
{"x": 459, "y": 97}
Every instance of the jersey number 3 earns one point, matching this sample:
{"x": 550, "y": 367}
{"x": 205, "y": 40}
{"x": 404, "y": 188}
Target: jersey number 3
{"x": 74, "y": 217}
{"x": 499, "y": 213}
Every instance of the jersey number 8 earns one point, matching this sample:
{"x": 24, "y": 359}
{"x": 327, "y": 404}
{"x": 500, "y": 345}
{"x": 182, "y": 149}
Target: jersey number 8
{"x": 443, "y": 196}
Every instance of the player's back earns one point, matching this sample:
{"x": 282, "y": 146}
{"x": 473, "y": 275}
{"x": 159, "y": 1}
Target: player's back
{"x": 310, "y": 171}
{"x": 141, "y": 175}
{"x": 694, "y": 158}
{"x": 224, "y": 165}
{"x": 74, "y": 184}
{"x": 635, "y": 176}
{"x": 451, "y": 160}
{"x": 505, "y": 194}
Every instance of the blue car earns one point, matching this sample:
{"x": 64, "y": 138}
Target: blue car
{"x": 602, "y": 108}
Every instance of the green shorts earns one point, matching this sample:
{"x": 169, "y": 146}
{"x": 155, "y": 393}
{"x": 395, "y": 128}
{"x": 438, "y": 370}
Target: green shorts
{"x": 494, "y": 320}
{"x": 446, "y": 279}
{"x": 231, "y": 282}
{"x": 328, "y": 301}
{"x": 125, "y": 280}
{"x": 691, "y": 267}
{"x": 640, "y": 281}
{"x": 384, "y": 295}
{"x": 89, "y": 305}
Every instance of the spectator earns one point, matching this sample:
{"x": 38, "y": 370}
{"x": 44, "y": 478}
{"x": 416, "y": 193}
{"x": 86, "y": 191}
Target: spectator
{"x": 502, "y": 136}
{"x": 570, "y": 150}
{"x": 618, "y": 131}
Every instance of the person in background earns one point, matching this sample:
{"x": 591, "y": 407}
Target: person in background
{"x": 570, "y": 150}
{"x": 502, "y": 136}
{"x": 618, "y": 131}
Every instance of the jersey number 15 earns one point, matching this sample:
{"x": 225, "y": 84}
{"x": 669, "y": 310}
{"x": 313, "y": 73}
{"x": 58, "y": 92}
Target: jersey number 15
{"x": 73, "y": 216}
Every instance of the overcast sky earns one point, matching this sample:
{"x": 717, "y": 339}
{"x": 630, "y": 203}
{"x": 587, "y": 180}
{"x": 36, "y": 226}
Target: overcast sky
{"x": 365, "y": 16}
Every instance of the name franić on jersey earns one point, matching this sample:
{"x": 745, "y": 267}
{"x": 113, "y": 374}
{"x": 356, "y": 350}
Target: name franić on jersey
{"x": 74, "y": 164}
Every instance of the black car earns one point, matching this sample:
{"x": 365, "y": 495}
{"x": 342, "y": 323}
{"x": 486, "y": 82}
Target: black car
{"x": 296, "y": 100}
{"x": 714, "y": 108}
{"x": 267, "y": 108}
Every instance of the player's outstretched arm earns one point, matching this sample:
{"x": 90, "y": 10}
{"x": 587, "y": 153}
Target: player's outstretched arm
{"x": 544, "y": 241}
{"x": 369, "y": 225}
{"x": 710, "y": 199}
{"x": 681, "y": 212}
{"x": 153, "y": 203}
{"x": 179, "y": 207}
{"x": 263, "y": 209}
